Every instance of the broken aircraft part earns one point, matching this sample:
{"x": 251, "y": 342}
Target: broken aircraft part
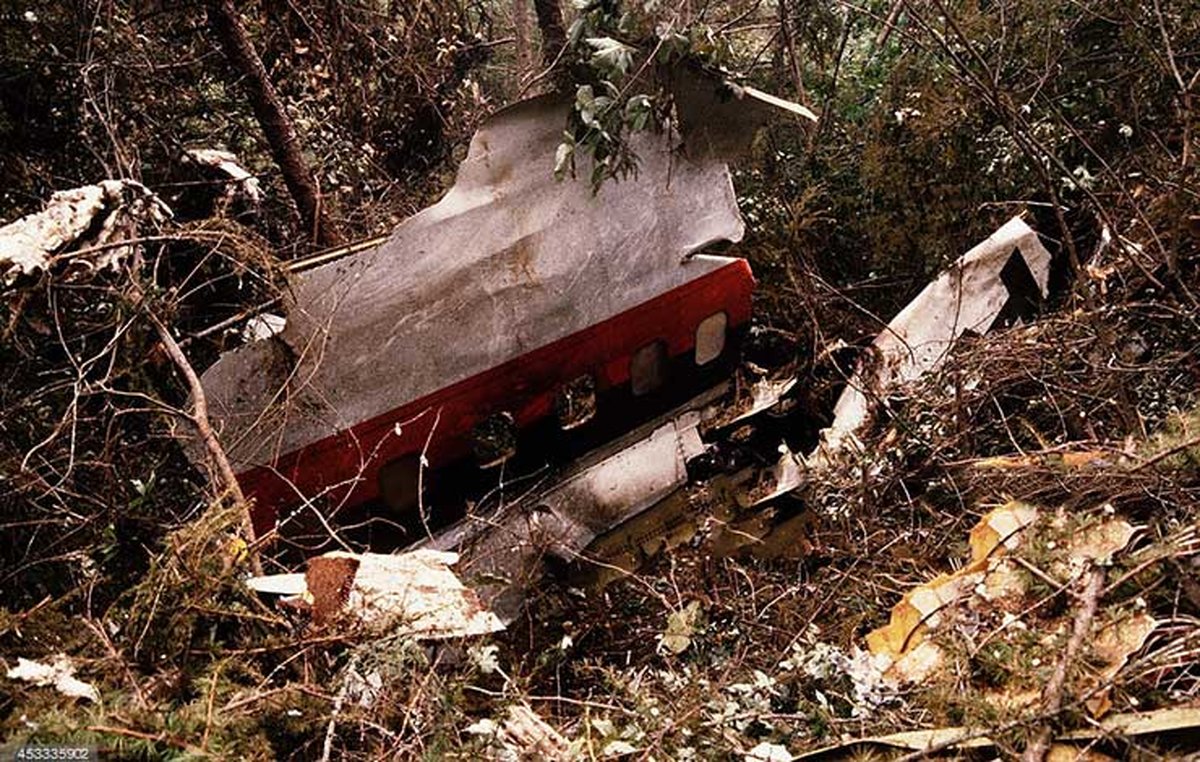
{"x": 504, "y": 552}
{"x": 413, "y": 592}
{"x": 80, "y": 229}
{"x": 240, "y": 184}
{"x": 478, "y": 319}
{"x": 968, "y": 296}
{"x": 1004, "y": 276}
{"x": 59, "y": 673}
{"x": 509, "y": 288}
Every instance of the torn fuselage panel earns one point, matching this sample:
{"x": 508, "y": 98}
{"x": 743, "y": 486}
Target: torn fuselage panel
{"x": 510, "y": 286}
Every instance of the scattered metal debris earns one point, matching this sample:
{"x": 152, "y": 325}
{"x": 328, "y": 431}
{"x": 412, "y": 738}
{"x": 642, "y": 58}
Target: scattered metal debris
{"x": 762, "y": 396}
{"x": 530, "y": 737}
{"x": 81, "y": 230}
{"x": 263, "y": 326}
{"x": 242, "y": 185}
{"x": 967, "y": 297}
{"x": 993, "y": 278}
{"x": 439, "y": 278}
{"x": 996, "y": 581}
{"x": 506, "y": 552}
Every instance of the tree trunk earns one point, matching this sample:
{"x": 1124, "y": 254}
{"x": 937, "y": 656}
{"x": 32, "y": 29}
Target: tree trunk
{"x": 522, "y": 29}
{"x": 789, "y": 48}
{"x": 275, "y": 123}
{"x": 550, "y": 21}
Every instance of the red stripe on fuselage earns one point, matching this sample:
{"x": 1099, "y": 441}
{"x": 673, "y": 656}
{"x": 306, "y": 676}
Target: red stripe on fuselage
{"x": 346, "y": 465}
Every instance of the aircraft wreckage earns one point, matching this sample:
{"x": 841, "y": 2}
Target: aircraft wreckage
{"x": 577, "y": 347}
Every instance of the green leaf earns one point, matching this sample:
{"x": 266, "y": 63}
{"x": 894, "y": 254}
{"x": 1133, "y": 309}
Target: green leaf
{"x": 637, "y": 112}
{"x": 585, "y": 104}
{"x": 611, "y": 54}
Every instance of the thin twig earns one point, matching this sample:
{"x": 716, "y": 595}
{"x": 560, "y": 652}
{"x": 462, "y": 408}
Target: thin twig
{"x": 199, "y": 419}
{"x": 1052, "y": 696}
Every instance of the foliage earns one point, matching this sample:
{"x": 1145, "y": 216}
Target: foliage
{"x": 379, "y": 93}
{"x": 612, "y": 56}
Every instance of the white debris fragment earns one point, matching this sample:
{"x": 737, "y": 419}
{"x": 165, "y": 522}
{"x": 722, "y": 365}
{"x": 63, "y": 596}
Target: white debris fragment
{"x": 363, "y": 689}
{"x": 484, "y": 727}
{"x": 414, "y": 592}
{"x": 769, "y": 752}
{"x": 780, "y": 103}
{"x": 263, "y": 326}
{"x": 763, "y": 395}
{"x": 291, "y": 585}
{"x": 92, "y": 219}
{"x": 485, "y": 658}
{"x": 243, "y": 183}
{"x": 60, "y": 673}
{"x": 968, "y": 296}
{"x": 525, "y": 733}
{"x": 617, "y": 748}
{"x": 418, "y": 589}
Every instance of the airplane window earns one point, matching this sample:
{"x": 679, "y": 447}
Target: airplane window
{"x": 398, "y": 481}
{"x": 648, "y": 368}
{"x": 710, "y": 338}
{"x": 495, "y": 439}
{"x": 575, "y": 403}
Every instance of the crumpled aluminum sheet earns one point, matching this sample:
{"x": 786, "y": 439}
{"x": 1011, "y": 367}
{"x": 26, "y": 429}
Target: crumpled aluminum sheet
{"x": 968, "y": 296}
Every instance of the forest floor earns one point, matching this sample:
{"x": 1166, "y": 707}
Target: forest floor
{"x": 991, "y": 573}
